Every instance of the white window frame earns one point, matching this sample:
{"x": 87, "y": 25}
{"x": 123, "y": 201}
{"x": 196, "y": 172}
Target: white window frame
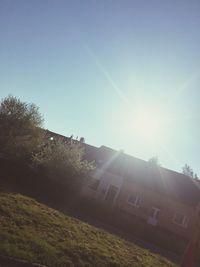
{"x": 154, "y": 216}
{"x": 184, "y": 222}
{"x": 137, "y": 201}
{"x": 156, "y": 212}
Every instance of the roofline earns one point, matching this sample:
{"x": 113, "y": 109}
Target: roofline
{"x": 134, "y": 158}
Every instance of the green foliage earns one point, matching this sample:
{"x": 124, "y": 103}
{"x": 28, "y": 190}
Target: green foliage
{"x": 64, "y": 162}
{"x": 31, "y": 231}
{"x": 20, "y": 133}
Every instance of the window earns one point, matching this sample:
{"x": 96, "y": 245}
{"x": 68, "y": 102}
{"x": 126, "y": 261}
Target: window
{"x": 153, "y": 216}
{"x": 134, "y": 200}
{"x": 154, "y": 213}
{"x": 94, "y": 184}
{"x": 111, "y": 194}
{"x": 181, "y": 219}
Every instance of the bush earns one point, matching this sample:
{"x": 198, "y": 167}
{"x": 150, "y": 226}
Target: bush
{"x": 63, "y": 163}
{"x": 20, "y": 132}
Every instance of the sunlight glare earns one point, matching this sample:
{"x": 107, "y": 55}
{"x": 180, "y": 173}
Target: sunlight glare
{"x": 146, "y": 125}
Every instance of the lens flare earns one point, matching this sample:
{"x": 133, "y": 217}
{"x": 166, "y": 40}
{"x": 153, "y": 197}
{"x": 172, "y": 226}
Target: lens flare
{"x": 146, "y": 125}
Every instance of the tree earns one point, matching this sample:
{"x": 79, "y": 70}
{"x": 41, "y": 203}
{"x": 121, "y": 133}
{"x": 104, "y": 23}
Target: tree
{"x": 187, "y": 170}
{"x": 63, "y": 162}
{"x": 20, "y": 128}
{"x": 154, "y": 161}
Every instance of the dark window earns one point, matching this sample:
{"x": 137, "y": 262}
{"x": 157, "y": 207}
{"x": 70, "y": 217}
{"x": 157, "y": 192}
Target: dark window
{"x": 111, "y": 194}
{"x": 94, "y": 184}
{"x": 181, "y": 219}
{"x": 134, "y": 200}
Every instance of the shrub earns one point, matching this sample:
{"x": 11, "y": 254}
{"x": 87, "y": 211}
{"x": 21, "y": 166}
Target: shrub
{"x": 20, "y": 132}
{"x": 63, "y": 163}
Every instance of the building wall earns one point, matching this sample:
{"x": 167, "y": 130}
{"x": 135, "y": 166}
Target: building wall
{"x": 149, "y": 199}
{"x": 168, "y": 207}
{"x": 105, "y": 180}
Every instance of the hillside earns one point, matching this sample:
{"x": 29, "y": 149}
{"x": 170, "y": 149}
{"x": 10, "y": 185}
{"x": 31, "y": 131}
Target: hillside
{"x": 32, "y": 231}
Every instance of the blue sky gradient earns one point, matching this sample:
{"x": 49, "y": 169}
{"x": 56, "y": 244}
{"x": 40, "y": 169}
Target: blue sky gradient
{"x": 89, "y": 64}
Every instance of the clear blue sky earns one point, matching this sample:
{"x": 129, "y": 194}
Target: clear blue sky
{"x": 89, "y": 65}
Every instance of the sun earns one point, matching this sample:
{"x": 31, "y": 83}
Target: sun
{"x": 146, "y": 124}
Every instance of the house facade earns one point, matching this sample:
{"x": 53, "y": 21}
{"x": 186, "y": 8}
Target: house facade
{"x": 157, "y": 210}
{"x": 140, "y": 190}
{"x": 159, "y": 197}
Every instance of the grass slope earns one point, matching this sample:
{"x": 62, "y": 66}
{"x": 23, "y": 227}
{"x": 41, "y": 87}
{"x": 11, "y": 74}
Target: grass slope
{"x": 32, "y": 231}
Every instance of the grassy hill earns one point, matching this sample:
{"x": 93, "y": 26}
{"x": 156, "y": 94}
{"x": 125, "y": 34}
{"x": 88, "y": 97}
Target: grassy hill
{"x": 32, "y": 231}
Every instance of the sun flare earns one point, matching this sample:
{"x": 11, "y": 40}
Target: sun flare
{"x": 147, "y": 125}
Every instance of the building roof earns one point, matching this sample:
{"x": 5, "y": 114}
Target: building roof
{"x": 156, "y": 178}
